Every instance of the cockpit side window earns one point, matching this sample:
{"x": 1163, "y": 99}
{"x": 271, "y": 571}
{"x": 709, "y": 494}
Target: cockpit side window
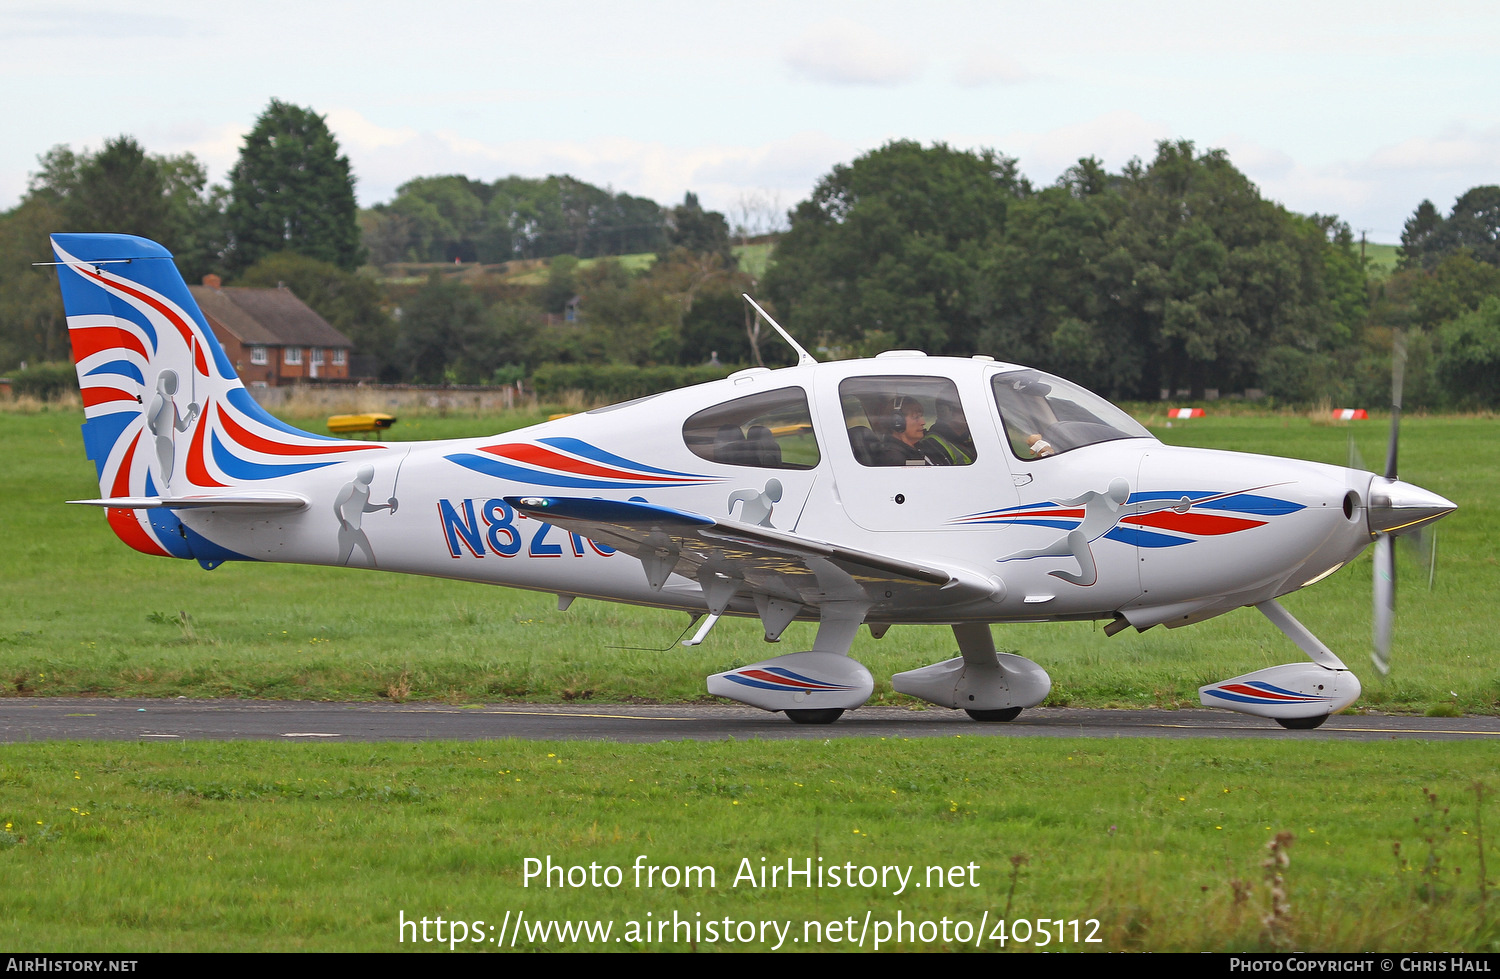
{"x": 1045, "y": 415}
{"x": 771, "y": 430}
{"x": 906, "y": 421}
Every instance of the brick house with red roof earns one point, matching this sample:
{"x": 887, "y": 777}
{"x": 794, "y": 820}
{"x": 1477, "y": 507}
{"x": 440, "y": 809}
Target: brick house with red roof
{"x": 272, "y": 337}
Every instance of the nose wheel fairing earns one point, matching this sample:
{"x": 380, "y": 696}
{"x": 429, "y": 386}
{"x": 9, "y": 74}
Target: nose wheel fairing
{"x": 1292, "y": 692}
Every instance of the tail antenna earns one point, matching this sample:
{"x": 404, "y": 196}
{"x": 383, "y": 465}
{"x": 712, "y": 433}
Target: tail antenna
{"x": 803, "y": 357}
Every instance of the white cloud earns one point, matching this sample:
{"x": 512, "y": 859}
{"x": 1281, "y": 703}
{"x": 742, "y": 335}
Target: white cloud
{"x": 990, "y": 67}
{"x": 218, "y": 147}
{"x": 1456, "y": 148}
{"x": 89, "y": 23}
{"x": 847, "y": 53}
{"x": 353, "y": 129}
{"x": 384, "y": 158}
{"x": 1114, "y": 138}
{"x": 1379, "y": 192}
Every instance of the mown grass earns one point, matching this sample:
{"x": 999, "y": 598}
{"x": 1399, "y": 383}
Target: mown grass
{"x": 300, "y": 846}
{"x": 1381, "y": 259}
{"x": 82, "y": 614}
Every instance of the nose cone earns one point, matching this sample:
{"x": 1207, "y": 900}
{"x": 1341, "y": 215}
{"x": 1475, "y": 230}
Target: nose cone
{"x": 1396, "y": 507}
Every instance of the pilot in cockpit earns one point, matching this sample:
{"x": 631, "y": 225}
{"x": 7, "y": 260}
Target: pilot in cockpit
{"x": 907, "y": 442}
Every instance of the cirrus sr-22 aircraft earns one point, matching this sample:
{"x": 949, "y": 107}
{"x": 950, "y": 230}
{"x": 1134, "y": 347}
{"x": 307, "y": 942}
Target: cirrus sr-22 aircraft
{"x": 898, "y": 489}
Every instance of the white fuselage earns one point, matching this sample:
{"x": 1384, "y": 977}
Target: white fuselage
{"x": 1019, "y": 522}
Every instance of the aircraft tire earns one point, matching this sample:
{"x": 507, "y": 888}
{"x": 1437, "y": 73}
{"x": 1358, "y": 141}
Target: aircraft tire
{"x": 826, "y": 715}
{"x": 1302, "y": 723}
{"x": 1003, "y": 714}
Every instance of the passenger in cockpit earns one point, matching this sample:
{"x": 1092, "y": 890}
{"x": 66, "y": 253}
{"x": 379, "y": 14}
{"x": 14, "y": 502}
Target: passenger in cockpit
{"x": 952, "y": 433}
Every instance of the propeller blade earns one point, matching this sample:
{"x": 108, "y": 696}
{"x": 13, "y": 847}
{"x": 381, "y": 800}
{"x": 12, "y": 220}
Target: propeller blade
{"x": 1420, "y": 546}
{"x": 1356, "y": 459}
{"x": 1385, "y": 602}
{"x": 1398, "y": 379}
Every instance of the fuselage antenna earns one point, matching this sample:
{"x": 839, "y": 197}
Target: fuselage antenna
{"x": 803, "y": 357}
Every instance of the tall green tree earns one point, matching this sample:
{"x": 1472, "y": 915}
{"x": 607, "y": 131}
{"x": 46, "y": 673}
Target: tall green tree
{"x": 698, "y": 231}
{"x": 1044, "y": 291}
{"x": 1468, "y": 365}
{"x": 124, "y": 189}
{"x": 447, "y": 335}
{"x": 887, "y": 244}
{"x": 439, "y": 219}
{"x": 291, "y": 190}
{"x": 1473, "y": 225}
{"x": 121, "y": 188}
{"x": 1417, "y": 237}
{"x": 1214, "y": 276}
{"x": 32, "y": 327}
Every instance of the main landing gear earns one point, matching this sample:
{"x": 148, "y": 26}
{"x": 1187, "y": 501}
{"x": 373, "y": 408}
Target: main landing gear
{"x": 826, "y": 715}
{"x": 1003, "y": 714}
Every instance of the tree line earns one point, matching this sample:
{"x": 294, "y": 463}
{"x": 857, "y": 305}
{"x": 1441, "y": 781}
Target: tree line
{"x": 1173, "y": 275}
{"x": 1170, "y": 275}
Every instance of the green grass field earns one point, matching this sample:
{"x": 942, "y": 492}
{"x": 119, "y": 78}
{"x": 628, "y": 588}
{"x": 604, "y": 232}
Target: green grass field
{"x": 1381, "y": 258}
{"x": 1144, "y": 844}
{"x": 82, "y": 614}
{"x": 752, "y": 259}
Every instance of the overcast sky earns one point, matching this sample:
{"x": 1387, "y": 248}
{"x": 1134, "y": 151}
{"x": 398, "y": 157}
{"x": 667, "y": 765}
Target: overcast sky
{"x": 1360, "y": 109}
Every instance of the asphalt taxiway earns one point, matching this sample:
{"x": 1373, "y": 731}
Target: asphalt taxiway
{"x": 88, "y": 719}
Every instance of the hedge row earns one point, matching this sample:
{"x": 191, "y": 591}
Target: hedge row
{"x": 45, "y": 381}
{"x": 618, "y": 382}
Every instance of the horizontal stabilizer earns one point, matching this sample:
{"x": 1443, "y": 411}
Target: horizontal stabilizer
{"x": 239, "y": 501}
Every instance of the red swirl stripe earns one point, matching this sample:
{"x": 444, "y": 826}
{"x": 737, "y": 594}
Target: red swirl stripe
{"x": 535, "y": 455}
{"x": 247, "y": 439}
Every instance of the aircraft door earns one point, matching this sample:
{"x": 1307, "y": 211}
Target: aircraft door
{"x": 915, "y": 455}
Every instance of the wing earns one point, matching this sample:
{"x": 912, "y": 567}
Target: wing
{"x": 781, "y": 573}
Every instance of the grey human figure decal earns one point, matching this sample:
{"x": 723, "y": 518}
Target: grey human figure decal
{"x": 351, "y": 505}
{"x": 756, "y": 505}
{"x": 1101, "y": 512}
{"x": 164, "y": 423}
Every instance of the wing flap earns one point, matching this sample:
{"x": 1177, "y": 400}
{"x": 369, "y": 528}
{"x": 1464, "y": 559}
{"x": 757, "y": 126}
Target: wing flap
{"x": 769, "y": 561}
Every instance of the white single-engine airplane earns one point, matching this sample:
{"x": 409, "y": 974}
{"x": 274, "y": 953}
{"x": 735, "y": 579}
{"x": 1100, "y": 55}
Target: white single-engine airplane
{"x": 900, "y": 489}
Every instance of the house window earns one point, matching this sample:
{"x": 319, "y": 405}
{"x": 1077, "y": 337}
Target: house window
{"x": 317, "y": 355}
{"x": 258, "y": 355}
{"x": 293, "y": 355}
{"x": 340, "y": 357}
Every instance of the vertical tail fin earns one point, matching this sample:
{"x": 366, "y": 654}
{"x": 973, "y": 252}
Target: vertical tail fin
{"x": 165, "y": 414}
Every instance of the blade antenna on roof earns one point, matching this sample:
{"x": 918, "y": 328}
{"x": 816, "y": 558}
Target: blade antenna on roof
{"x": 803, "y": 357}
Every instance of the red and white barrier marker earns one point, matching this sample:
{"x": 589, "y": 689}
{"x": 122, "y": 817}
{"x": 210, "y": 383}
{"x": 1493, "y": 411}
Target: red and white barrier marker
{"x": 1184, "y": 412}
{"x": 1350, "y": 414}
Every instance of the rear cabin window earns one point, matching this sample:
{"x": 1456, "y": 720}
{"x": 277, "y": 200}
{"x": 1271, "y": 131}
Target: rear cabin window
{"x": 771, "y": 430}
{"x": 906, "y": 421}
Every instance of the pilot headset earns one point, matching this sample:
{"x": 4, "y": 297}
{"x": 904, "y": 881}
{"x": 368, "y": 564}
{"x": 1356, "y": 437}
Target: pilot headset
{"x": 896, "y": 421}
